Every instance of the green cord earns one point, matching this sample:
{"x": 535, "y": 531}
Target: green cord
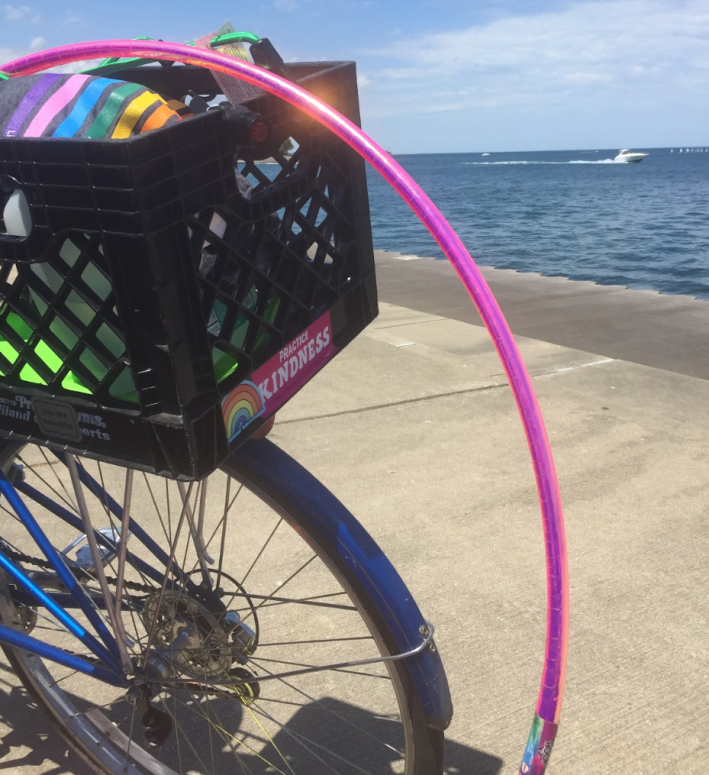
{"x": 113, "y": 63}
{"x": 234, "y": 37}
{"x": 4, "y": 77}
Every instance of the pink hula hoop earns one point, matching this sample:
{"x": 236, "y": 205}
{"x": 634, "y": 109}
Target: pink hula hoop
{"x": 543, "y": 732}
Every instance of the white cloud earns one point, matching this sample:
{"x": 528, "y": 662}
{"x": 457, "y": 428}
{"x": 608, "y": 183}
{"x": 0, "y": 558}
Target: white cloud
{"x": 289, "y": 5}
{"x": 37, "y": 43}
{"x": 362, "y": 80}
{"x": 10, "y": 54}
{"x": 72, "y": 19}
{"x": 403, "y": 73}
{"x": 588, "y": 77}
{"x": 551, "y": 58}
{"x": 76, "y": 67}
{"x": 14, "y": 13}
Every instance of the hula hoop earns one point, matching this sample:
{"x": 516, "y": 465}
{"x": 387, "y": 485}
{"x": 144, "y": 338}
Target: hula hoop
{"x": 546, "y": 720}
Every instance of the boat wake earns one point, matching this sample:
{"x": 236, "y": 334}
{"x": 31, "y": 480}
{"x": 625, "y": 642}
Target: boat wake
{"x": 577, "y": 161}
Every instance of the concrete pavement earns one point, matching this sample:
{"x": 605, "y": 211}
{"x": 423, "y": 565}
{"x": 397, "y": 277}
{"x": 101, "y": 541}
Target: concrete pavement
{"x": 442, "y": 479}
{"x": 415, "y": 429}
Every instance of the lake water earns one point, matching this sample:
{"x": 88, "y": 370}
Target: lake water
{"x": 571, "y": 213}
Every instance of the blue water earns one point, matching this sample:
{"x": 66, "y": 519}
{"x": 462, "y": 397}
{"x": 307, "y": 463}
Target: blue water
{"x": 570, "y": 213}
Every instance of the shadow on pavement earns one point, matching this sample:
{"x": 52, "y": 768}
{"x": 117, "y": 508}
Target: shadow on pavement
{"x": 29, "y": 742}
{"x": 32, "y": 745}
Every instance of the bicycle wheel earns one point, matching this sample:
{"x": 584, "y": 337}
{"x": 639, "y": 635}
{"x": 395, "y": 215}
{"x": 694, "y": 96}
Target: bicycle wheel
{"x": 276, "y": 597}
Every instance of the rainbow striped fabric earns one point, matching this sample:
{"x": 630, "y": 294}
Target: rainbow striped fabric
{"x": 54, "y": 105}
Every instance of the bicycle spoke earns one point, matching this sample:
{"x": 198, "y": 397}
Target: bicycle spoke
{"x": 121, "y": 542}
{"x": 314, "y": 640}
{"x": 182, "y": 589}
{"x": 58, "y": 478}
{"x": 93, "y": 708}
{"x": 197, "y": 538}
{"x": 212, "y": 725}
{"x": 300, "y": 739}
{"x": 102, "y": 613}
{"x": 229, "y": 738}
{"x": 130, "y": 737}
{"x": 177, "y": 739}
{"x": 288, "y": 580}
{"x": 98, "y": 564}
{"x": 258, "y": 660}
{"x": 157, "y": 508}
{"x": 10, "y": 513}
{"x": 208, "y": 703}
{"x": 328, "y": 710}
{"x": 272, "y": 742}
{"x": 169, "y": 517}
{"x": 64, "y": 678}
{"x": 303, "y": 739}
{"x": 263, "y": 549}
{"x": 305, "y": 601}
{"x": 49, "y": 486}
{"x": 309, "y": 706}
{"x": 222, "y": 543}
{"x": 170, "y": 561}
{"x": 179, "y": 730}
{"x": 112, "y": 523}
{"x": 221, "y": 522}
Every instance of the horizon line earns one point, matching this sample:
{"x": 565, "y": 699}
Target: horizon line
{"x": 542, "y": 150}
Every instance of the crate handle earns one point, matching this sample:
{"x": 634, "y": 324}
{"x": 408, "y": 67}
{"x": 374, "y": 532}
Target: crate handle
{"x": 15, "y": 214}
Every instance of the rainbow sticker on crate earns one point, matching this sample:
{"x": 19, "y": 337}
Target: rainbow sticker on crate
{"x": 241, "y": 407}
{"x": 280, "y": 378}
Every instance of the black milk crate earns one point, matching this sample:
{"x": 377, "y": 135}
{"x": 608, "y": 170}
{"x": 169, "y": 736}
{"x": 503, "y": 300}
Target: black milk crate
{"x": 156, "y": 316}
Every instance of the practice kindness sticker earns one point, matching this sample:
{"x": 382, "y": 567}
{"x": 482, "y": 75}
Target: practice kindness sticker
{"x": 280, "y": 378}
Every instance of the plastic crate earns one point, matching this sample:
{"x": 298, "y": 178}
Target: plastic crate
{"x": 155, "y": 316}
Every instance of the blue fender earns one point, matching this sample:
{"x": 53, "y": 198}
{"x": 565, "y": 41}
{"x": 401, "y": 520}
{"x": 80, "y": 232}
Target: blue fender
{"x": 283, "y": 480}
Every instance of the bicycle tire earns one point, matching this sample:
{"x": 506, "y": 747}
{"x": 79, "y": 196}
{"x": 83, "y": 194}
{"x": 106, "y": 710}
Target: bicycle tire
{"x": 423, "y": 744}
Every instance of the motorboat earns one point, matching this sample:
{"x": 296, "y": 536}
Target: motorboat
{"x": 484, "y": 154}
{"x": 627, "y": 155}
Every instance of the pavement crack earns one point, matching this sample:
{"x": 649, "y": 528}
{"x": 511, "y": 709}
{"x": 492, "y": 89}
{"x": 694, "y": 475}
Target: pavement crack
{"x": 394, "y": 403}
{"x": 535, "y": 374}
{"x": 409, "y": 323}
{"x": 573, "y": 368}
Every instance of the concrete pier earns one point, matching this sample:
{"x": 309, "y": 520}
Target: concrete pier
{"x": 666, "y": 332}
{"x": 414, "y": 427}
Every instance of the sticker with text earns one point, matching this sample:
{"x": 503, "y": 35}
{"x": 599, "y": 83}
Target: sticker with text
{"x": 280, "y": 378}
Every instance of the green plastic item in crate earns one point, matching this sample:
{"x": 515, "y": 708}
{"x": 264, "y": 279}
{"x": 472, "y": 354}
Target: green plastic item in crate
{"x": 123, "y": 388}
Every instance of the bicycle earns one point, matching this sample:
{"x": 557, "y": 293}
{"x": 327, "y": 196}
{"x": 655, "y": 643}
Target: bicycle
{"x": 168, "y": 643}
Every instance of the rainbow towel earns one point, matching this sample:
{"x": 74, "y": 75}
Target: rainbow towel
{"x": 54, "y": 105}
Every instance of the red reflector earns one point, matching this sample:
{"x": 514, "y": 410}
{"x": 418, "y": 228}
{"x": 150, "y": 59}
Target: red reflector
{"x": 258, "y": 132}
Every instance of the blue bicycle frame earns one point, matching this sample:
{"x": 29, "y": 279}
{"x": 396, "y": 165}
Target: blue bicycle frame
{"x": 27, "y": 592}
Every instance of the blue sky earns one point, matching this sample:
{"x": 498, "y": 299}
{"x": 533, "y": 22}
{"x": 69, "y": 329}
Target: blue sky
{"x": 455, "y": 75}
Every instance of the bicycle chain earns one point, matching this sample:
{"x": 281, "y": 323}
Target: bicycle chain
{"x": 46, "y": 565}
